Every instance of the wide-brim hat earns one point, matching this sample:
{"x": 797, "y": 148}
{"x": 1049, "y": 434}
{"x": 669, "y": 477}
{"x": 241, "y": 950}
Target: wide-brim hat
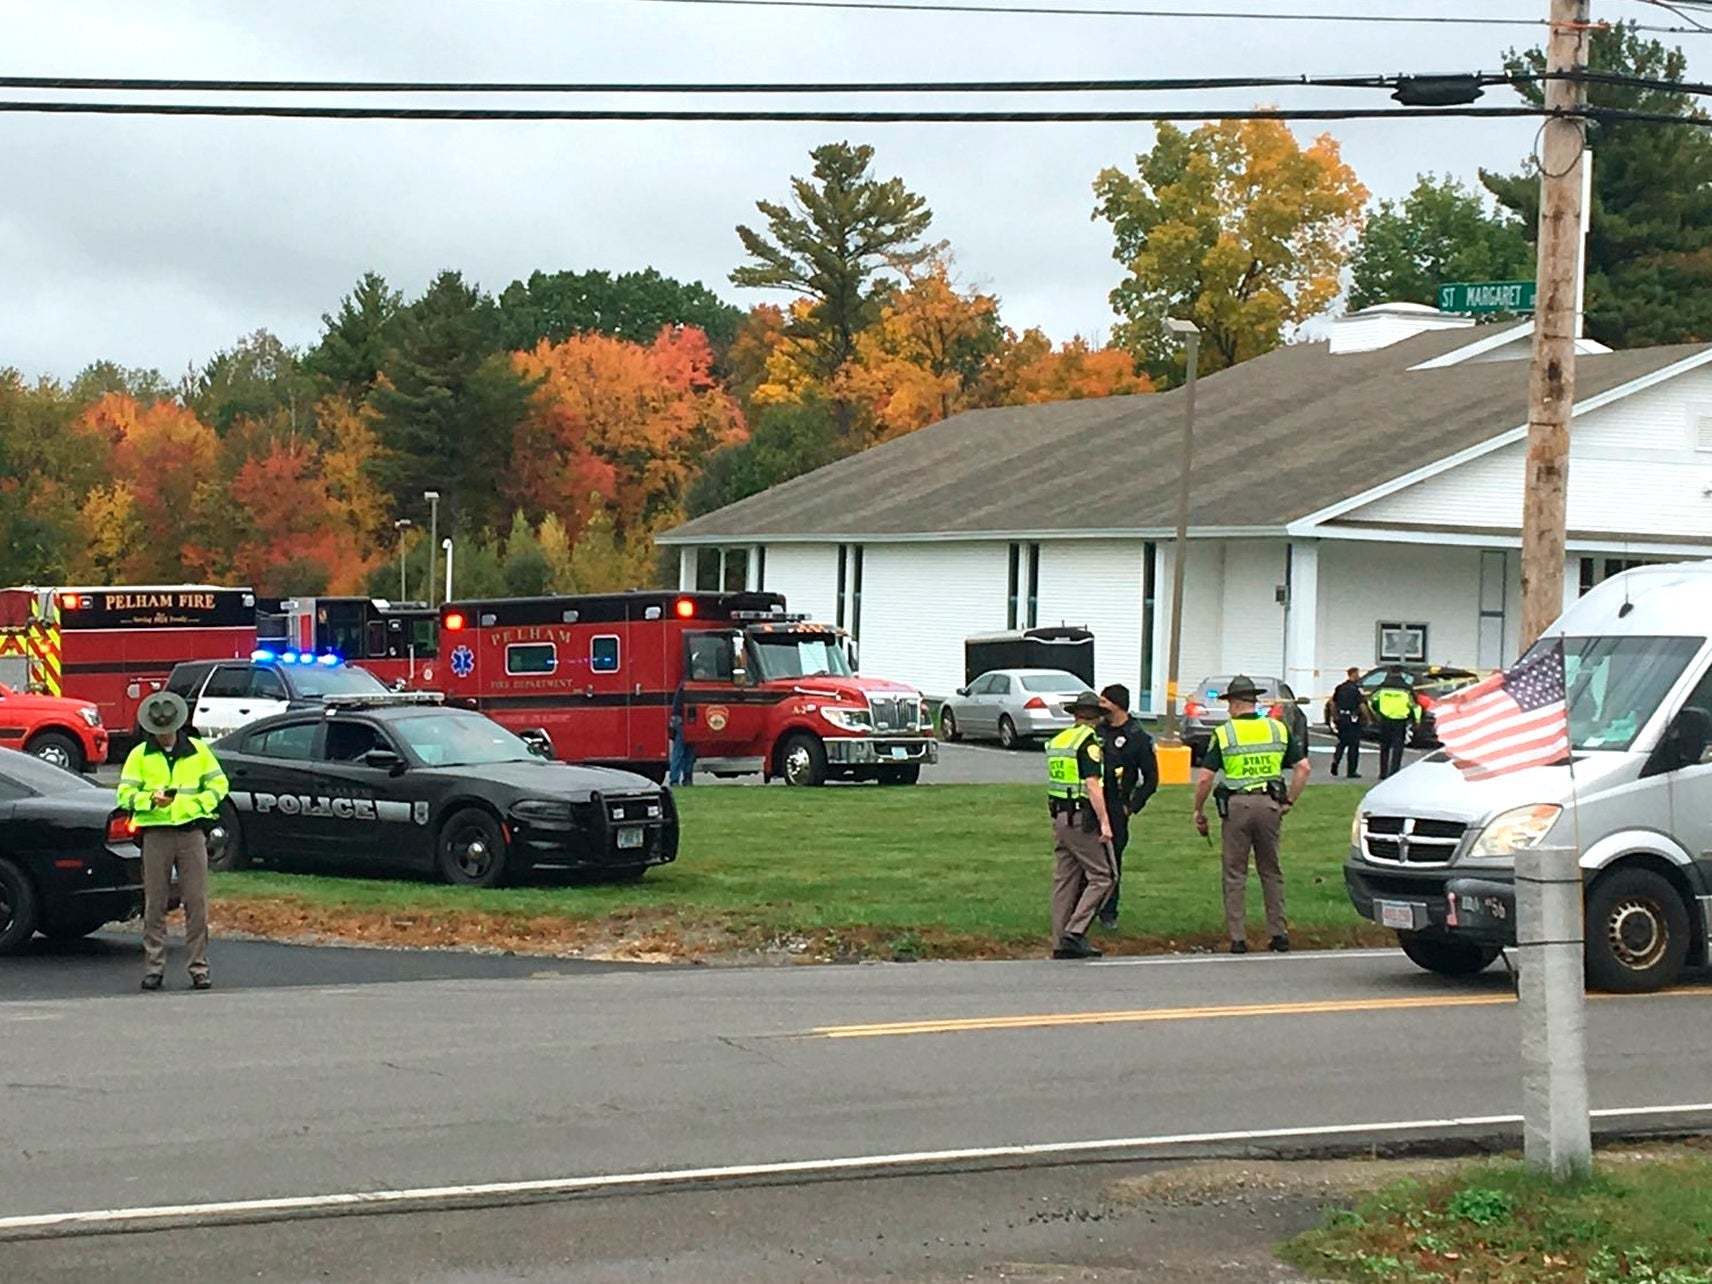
{"x": 1085, "y": 703}
{"x": 162, "y": 712}
{"x": 1241, "y": 687}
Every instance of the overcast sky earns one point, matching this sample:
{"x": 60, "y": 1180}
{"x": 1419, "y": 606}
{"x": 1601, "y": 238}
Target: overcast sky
{"x": 155, "y": 241}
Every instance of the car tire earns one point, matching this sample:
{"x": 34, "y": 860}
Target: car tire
{"x": 907, "y": 775}
{"x": 1637, "y": 932}
{"x": 471, "y": 849}
{"x": 19, "y": 909}
{"x": 57, "y": 748}
{"x": 802, "y": 761}
{"x": 948, "y": 729}
{"x": 1446, "y": 957}
{"x": 226, "y": 850}
{"x": 1008, "y": 738}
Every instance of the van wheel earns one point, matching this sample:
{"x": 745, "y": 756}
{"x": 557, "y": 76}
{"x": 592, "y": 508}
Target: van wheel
{"x": 58, "y": 748}
{"x": 1007, "y": 733}
{"x": 226, "y": 841}
{"x": 472, "y": 850}
{"x": 18, "y": 908}
{"x": 1637, "y": 932}
{"x": 1446, "y": 958}
{"x": 802, "y": 760}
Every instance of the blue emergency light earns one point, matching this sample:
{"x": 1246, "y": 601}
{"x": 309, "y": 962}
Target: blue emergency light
{"x": 327, "y": 660}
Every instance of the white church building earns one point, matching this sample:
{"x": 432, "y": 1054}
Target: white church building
{"x": 1353, "y": 501}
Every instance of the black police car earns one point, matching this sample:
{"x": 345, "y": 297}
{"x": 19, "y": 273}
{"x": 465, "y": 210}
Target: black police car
{"x": 69, "y": 862}
{"x": 406, "y": 782}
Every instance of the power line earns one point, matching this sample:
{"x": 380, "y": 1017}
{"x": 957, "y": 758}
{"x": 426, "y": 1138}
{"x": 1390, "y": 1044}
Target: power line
{"x": 1119, "y": 115}
{"x": 936, "y": 6}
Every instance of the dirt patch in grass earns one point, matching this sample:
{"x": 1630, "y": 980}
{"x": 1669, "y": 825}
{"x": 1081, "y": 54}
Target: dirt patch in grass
{"x": 668, "y": 936}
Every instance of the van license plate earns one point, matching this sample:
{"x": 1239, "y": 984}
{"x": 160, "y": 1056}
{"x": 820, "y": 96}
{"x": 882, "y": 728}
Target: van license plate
{"x": 1397, "y": 914}
{"x": 629, "y": 837}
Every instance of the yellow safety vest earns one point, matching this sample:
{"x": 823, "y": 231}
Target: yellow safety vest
{"x": 196, "y": 776}
{"x": 1395, "y": 703}
{"x": 1064, "y": 778}
{"x": 1252, "y": 750}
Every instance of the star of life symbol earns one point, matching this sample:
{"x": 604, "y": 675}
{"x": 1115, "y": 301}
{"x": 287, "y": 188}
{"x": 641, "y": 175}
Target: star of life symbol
{"x": 463, "y": 661}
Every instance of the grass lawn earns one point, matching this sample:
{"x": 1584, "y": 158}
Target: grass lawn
{"x": 951, "y": 870}
{"x": 1635, "y": 1220}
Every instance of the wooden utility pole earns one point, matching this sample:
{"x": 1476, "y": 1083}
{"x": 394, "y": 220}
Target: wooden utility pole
{"x": 1551, "y": 383}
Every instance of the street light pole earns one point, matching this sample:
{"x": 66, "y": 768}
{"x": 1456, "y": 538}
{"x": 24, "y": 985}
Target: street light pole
{"x": 1191, "y": 336}
{"x": 433, "y": 498}
{"x": 447, "y": 545}
{"x": 401, "y": 525}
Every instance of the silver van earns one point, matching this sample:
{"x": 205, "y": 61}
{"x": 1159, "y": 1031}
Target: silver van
{"x": 1432, "y": 854}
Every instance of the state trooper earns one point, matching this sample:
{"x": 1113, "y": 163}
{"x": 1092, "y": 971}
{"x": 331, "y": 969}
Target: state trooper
{"x": 172, "y": 786}
{"x": 1395, "y": 709}
{"x": 1248, "y": 757}
{"x": 1082, "y": 875}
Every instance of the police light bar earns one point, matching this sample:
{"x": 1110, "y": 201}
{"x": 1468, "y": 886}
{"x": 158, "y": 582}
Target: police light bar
{"x": 327, "y": 659}
{"x": 375, "y": 700}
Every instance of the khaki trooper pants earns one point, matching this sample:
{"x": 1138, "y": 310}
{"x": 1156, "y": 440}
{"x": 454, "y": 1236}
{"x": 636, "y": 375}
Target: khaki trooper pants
{"x": 163, "y": 849}
{"x": 1081, "y": 876}
{"x": 1253, "y": 825}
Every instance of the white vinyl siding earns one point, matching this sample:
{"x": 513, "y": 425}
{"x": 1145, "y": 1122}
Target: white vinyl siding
{"x": 920, "y": 601}
{"x": 1362, "y": 584}
{"x": 807, "y": 574}
{"x": 1097, "y": 584}
{"x": 1253, "y": 634}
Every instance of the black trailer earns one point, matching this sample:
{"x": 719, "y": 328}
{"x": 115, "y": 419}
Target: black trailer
{"x": 1063, "y": 647}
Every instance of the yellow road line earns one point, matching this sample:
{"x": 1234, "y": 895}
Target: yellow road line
{"x": 1037, "y": 1020}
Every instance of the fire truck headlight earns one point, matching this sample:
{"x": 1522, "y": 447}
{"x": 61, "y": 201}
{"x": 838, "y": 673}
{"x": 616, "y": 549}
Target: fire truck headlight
{"x": 847, "y": 719}
{"x": 90, "y": 714}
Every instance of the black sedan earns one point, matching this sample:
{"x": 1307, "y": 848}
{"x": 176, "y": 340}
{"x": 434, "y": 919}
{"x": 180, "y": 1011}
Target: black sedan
{"x": 424, "y": 788}
{"x": 68, "y": 861}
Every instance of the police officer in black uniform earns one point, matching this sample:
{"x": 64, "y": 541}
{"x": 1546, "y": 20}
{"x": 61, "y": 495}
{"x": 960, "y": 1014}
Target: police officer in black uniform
{"x": 1131, "y": 778}
{"x": 1348, "y": 713}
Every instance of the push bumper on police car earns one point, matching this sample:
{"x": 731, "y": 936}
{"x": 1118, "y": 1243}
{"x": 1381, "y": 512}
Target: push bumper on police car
{"x": 609, "y": 831}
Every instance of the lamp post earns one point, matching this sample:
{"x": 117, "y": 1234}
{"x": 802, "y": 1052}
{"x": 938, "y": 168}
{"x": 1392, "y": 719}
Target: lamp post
{"x": 401, "y": 525}
{"x": 433, "y": 498}
{"x": 447, "y": 545}
{"x": 1190, "y": 333}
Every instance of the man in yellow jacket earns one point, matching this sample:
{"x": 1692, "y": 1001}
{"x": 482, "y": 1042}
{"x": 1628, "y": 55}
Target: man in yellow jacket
{"x": 172, "y": 786}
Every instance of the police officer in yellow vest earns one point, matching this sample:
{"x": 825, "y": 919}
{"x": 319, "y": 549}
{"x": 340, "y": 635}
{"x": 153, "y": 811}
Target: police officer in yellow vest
{"x": 1252, "y": 753}
{"x": 1396, "y": 709}
{"x": 1082, "y": 876}
{"x": 172, "y": 786}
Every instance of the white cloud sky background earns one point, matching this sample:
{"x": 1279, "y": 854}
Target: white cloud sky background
{"x": 157, "y": 241}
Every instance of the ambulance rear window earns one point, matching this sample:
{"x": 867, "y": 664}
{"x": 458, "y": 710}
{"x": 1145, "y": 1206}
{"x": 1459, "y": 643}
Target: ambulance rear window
{"x": 531, "y": 657}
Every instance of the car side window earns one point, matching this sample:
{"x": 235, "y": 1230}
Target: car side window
{"x": 229, "y": 682}
{"x": 265, "y": 684}
{"x": 349, "y": 741}
{"x": 981, "y": 685}
{"x": 184, "y": 682}
{"x": 295, "y": 740}
{"x": 998, "y": 684}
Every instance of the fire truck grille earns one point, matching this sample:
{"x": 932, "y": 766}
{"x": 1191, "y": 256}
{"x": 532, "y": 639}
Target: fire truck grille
{"x": 895, "y": 713}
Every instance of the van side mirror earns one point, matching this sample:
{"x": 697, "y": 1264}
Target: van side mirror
{"x": 1689, "y": 735}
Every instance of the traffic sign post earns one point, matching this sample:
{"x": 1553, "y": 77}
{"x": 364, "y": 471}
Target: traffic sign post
{"x": 1487, "y": 296}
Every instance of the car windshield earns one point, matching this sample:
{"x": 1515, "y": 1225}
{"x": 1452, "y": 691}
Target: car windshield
{"x": 1050, "y": 682}
{"x": 452, "y": 739}
{"x": 40, "y": 777}
{"x": 316, "y": 682}
{"x": 787, "y": 656}
{"x": 1615, "y": 685}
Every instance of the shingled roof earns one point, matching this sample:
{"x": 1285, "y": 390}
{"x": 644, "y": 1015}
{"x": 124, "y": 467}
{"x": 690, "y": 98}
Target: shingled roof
{"x": 1276, "y": 439}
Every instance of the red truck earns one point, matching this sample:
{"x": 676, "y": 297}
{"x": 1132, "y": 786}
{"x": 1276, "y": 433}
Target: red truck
{"x": 110, "y": 646}
{"x": 761, "y": 690}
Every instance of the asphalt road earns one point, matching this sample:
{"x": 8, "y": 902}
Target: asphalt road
{"x": 318, "y": 1091}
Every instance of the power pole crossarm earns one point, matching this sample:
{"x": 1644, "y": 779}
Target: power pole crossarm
{"x": 1551, "y": 387}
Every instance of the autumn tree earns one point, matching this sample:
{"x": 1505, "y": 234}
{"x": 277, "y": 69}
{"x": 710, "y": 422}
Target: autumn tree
{"x": 1440, "y": 232}
{"x": 45, "y": 469}
{"x": 258, "y": 379}
{"x": 632, "y": 305}
{"x": 163, "y": 453}
{"x": 839, "y": 243}
{"x": 1030, "y": 371}
{"x": 629, "y": 423}
{"x": 1649, "y": 253}
{"x": 354, "y": 341}
{"x": 449, "y": 402}
{"x": 784, "y": 441}
{"x": 293, "y": 521}
{"x": 99, "y": 378}
{"x": 527, "y": 571}
{"x": 1233, "y": 226}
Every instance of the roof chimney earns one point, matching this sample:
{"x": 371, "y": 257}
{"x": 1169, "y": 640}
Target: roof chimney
{"x": 1386, "y": 323}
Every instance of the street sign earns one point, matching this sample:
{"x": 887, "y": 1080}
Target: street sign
{"x": 1487, "y": 296}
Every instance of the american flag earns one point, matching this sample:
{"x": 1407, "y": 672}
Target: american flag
{"x": 1509, "y": 721}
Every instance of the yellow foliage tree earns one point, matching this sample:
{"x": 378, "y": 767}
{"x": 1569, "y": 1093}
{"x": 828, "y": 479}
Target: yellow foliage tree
{"x": 1031, "y": 371}
{"x": 112, "y": 532}
{"x": 1235, "y": 226}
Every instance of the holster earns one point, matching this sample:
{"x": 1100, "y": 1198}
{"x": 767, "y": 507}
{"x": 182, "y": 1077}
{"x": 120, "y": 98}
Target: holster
{"x": 1277, "y": 791}
{"x": 1090, "y": 822}
{"x": 1221, "y": 802}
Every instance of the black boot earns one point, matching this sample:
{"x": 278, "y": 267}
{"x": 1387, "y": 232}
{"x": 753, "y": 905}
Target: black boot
{"x": 1073, "y": 945}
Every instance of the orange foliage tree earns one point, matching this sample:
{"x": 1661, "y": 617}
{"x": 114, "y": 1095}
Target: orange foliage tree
{"x": 628, "y": 423}
{"x": 298, "y": 539}
{"x": 1031, "y": 371}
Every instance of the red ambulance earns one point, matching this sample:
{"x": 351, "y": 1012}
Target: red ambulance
{"x": 111, "y": 646}
{"x": 762, "y": 691}
{"x": 395, "y": 641}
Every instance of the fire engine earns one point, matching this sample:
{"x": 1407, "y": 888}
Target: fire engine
{"x": 395, "y": 641}
{"x": 761, "y": 690}
{"x": 112, "y": 646}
